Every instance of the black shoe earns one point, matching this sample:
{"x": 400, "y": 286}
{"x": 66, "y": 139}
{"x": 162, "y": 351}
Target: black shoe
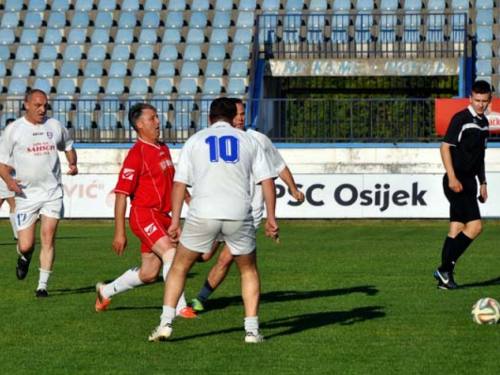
{"x": 42, "y": 293}
{"x": 445, "y": 280}
{"x": 23, "y": 265}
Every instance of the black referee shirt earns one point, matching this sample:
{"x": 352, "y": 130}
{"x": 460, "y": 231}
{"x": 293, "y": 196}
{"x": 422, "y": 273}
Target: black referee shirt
{"x": 468, "y": 134}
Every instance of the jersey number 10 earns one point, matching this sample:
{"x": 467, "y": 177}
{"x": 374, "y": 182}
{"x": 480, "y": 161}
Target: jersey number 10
{"x": 226, "y": 148}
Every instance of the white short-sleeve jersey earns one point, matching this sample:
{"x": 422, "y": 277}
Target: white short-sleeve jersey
{"x": 222, "y": 164}
{"x": 34, "y": 152}
{"x": 4, "y": 190}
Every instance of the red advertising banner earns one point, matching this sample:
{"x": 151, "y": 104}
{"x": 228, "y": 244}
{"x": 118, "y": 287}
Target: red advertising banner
{"x": 446, "y": 108}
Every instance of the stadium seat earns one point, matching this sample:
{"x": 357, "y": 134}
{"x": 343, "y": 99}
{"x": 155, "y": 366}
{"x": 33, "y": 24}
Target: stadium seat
{"x": 80, "y": 20}
{"x": 91, "y": 86}
{"x": 270, "y": 5}
{"x": 175, "y": 20}
{"x": 3, "y": 69}
{"x": 484, "y": 34}
{"x": 365, "y": 5}
{"x": 221, "y": 20}
{"x": 192, "y": 52}
{"x": 130, "y": 5}
{"x": 17, "y": 87}
{"x": 100, "y": 36}
{"x": 484, "y": 51}
{"x": 29, "y": 37}
{"x": 145, "y": 52}
{"x": 224, "y": 5}
{"x": 62, "y": 103}
{"x": 60, "y": 5}
{"x": 247, "y": 5}
{"x": 484, "y": 17}
{"x": 190, "y": 69}
{"x": 7, "y": 37}
{"x": 153, "y": 5}
{"x": 198, "y": 20}
{"x": 37, "y": 5}
{"x": 315, "y": 28}
{"x": 43, "y": 84}
{"x": 66, "y": 86}
{"x": 435, "y": 23}
{"x": 219, "y": 36}
{"x": 5, "y": 53}
{"x": 103, "y": 20}
{"x": 200, "y": 5}
{"x": 107, "y": 121}
{"x": 362, "y": 28}
{"x": 388, "y": 5}
{"x": 241, "y": 52}
{"x": 148, "y": 36}
{"x": 82, "y": 121}
{"x": 150, "y": 20}
{"x": 182, "y": 121}
{"x": 411, "y": 25}
{"x": 216, "y": 52}
{"x": 291, "y": 28}
{"x": 238, "y": 69}
{"x": 195, "y": 36}
{"x": 166, "y": 69}
{"x": 124, "y": 36}
{"x": 25, "y": 53}
{"x": 245, "y": 20}
{"x": 57, "y": 20}
{"x": 97, "y": 53}
{"x": 45, "y": 69}
{"x": 48, "y": 53}
{"x": 244, "y": 36}
{"x": 188, "y": 86}
{"x": 236, "y": 86}
{"x": 139, "y": 86}
{"x": 412, "y": 5}
{"x": 214, "y": 69}
{"x": 436, "y": 5}
{"x": 340, "y": 28}
{"x": 13, "y": 6}
{"x": 171, "y": 36}
{"x": 142, "y": 69}
{"x": 163, "y": 86}
{"x": 294, "y": 5}
{"x": 73, "y": 53}
{"x": 33, "y": 20}
{"x": 93, "y": 69}
{"x": 460, "y": 5}
{"x": 114, "y": 86}
{"x": 120, "y": 53}
{"x": 176, "y": 5}
{"x": 485, "y": 4}
{"x": 10, "y": 20}
{"x": 127, "y": 20}
{"x": 84, "y": 5}
{"x": 168, "y": 53}
{"x": 87, "y": 103}
{"x": 118, "y": 69}
{"x": 483, "y": 68}
{"x": 267, "y": 28}
{"x": 110, "y": 103}
{"x": 77, "y": 36}
{"x": 106, "y": 5}
{"x": 22, "y": 69}
{"x": 70, "y": 69}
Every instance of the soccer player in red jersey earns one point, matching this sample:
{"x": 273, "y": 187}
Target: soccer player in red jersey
{"x": 146, "y": 178}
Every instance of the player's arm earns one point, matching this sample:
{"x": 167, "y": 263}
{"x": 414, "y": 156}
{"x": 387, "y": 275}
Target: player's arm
{"x": 120, "y": 240}
{"x": 483, "y": 191}
{"x": 454, "y": 184}
{"x": 287, "y": 177}
{"x": 178, "y": 195}
{"x": 71, "y": 158}
{"x": 269, "y": 192}
{"x": 12, "y": 183}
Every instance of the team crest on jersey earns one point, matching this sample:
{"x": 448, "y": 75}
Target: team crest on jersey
{"x": 50, "y": 135}
{"x": 150, "y": 229}
{"x": 128, "y": 174}
{"x": 165, "y": 162}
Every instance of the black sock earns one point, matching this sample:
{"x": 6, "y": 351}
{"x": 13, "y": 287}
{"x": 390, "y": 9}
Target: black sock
{"x": 447, "y": 255}
{"x": 460, "y": 244}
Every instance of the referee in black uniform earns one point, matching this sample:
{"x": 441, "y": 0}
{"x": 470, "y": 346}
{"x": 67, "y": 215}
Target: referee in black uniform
{"x": 462, "y": 152}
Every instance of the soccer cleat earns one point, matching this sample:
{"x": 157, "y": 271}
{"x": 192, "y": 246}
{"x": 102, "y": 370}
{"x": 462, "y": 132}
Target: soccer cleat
{"x": 196, "y": 305}
{"x": 161, "y": 333}
{"x": 23, "y": 265}
{"x": 187, "y": 313}
{"x": 445, "y": 280}
{"x": 101, "y": 302}
{"x": 254, "y": 338}
{"x": 42, "y": 293}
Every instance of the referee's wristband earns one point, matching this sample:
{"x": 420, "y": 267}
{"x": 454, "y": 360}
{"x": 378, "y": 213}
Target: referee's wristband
{"x": 484, "y": 183}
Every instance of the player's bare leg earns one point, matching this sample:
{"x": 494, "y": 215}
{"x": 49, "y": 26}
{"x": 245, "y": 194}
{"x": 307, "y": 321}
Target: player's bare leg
{"x": 47, "y": 253}
{"x": 25, "y": 248}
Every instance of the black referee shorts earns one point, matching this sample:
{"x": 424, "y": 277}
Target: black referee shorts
{"x": 463, "y": 206}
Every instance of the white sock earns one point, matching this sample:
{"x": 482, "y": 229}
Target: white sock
{"x": 167, "y": 316}
{"x": 182, "y": 299}
{"x": 129, "y": 280}
{"x": 43, "y": 279}
{"x": 252, "y": 324}
{"x": 13, "y": 224}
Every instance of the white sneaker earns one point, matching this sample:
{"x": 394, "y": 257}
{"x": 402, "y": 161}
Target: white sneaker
{"x": 161, "y": 333}
{"x": 254, "y": 338}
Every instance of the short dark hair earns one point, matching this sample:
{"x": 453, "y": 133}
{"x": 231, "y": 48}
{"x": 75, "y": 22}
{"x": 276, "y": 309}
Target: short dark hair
{"x": 9, "y": 121}
{"x": 31, "y": 92}
{"x": 237, "y": 101}
{"x": 136, "y": 111}
{"x": 222, "y": 109}
{"x": 481, "y": 87}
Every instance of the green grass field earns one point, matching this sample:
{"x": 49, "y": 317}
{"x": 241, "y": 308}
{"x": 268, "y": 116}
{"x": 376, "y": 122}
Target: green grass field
{"x": 339, "y": 297}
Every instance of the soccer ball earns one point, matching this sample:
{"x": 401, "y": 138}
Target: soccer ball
{"x": 486, "y": 311}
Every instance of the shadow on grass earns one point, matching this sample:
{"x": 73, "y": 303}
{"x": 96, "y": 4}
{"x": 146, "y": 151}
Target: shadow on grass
{"x": 296, "y": 324}
{"x": 290, "y": 295}
{"x": 495, "y": 281}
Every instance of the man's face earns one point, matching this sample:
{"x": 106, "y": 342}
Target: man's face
{"x": 36, "y": 108}
{"x": 239, "y": 119}
{"x": 149, "y": 125}
{"x": 480, "y": 102}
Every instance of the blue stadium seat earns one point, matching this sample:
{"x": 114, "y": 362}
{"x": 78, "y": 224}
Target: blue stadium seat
{"x": 153, "y": 5}
{"x": 341, "y": 5}
{"x": 70, "y": 69}
{"x": 247, "y": 5}
{"x": 458, "y": 27}
{"x": 192, "y": 52}
{"x": 142, "y": 69}
{"x": 21, "y": 69}
{"x": 37, "y": 5}
{"x": 460, "y": 5}
{"x": 198, "y": 20}
{"x": 25, "y": 53}
{"x": 91, "y": 86}
{"x": 145, "y": 52}
{"x": 188, "y": 86}
{"x": 10, "y": 20}
{"x": 190, "y": 69}
{"x": 216, "y": 52}
{"x": 97, "y": 53}
{"x": 484, "y": 17}
{"x": 291, "y": 28}
{"x": 52, "y": 37}
{"x": 100, "y": 36}
{"x": 168, "y": 53}
{"x": 66, "y": 86}
{"x": 183, "y": 121}
{"x": 80, "y": 20}
{"x": 87, "y": 103}
{"x": 484, "y": 51}
{"x": 214, "y": 69}
{"x": 236, "y": 86}
{"x": 244, "y": 36}
{"x": 148, "y": 36}
{"x": 340, "y": 28}
{"x": 315, "y": 28}
{"x": 163, "y": 86}
{"x": 103, "y": 20}
{"x": 120, "y": 53}
{"x": 124, "y": 36}
{"x": 484, "y": 68}
{"x": 4, "y": 53}
{"x": 111, "y": 103}
{"x": 48, "y": 53}
{"x": 176, "y": 5}
{"x": 294, "y": 5}
{"x": 82, "y": 121}
{"x": 139, "y": 86}
{"x": 484, "y": 34}
{"x": 60, "y": 5}
{"x": 84, "y": 5}
{"x": 435, "y": 23}
{"x": 411, "y": 25}
{"x": 127, "y": 20}
{"x": 241, "y": 52}
{"x": 45, "y": 69}
{"x": 93, "y": 69}
{"x": 318, "y": 5}
{"x": 200, "y": 5}
{"x": 43, "y": 84}
{"x": 388, "y": 5}
{"x": 166, "y": 69}
{"x": 106, "y": 5}
{"x": 33, "y": 20}
{"x": 485, "y": 4}
{"x": 267, "y": 28}
{"x": 3, "y": 69}
{"x": 114, "y": 86}
{"x": 62, "y": 117}
{"x": 130, "y": 5}
{"x": 362, "y": 28}
{"x": 175, "y": 20}
{"x": 107, "y": 121}
{"x": 436, "y": 5}
{"x": 73, "y": 53}
{"x": 150, "y": 20}
{"x": 17, "y": 87}
{"x": 219, "y": 36}
{"x": 365, "y": 5}
{"x": 245, "y": 20}
{"x": 221, "y": 20}
{"x": 171, "y": 36}
{"x": 13, "y": 5}
{"x": 29, "y": 37}
{"x": 195, "y": 36}
{"x": 57, "y": 20}
{"x": 224, "y": 5}
{"x": 7, "y": 37}
{"x": 62, "y": 103}
{"x": 270, "y": 5}
{"x": 118, "y": 69}
{"x": 77, "y": 36}
{"x": 238, "y": 69}
{"x": 412, "y": 5}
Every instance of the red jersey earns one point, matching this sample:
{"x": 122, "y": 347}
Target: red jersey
{"x": 147, "y": 176}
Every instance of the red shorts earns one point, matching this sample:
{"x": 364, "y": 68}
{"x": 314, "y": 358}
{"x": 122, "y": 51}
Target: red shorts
{"x": 149, "y": 225}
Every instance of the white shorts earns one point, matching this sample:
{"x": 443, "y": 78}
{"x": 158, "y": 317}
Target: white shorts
{"x": 4, "y": 191}
{"x": 27, "y": 211}
{"x": 199, "y": 234}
